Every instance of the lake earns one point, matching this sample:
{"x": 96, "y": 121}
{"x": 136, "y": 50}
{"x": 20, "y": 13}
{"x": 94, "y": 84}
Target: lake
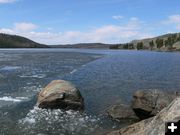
{"x": 104, "y": 78}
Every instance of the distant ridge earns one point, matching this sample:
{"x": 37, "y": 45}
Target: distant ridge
{"x": 84, "y": 45}
{"x": 14, "y": 41}
{"x": 167, "y": 42}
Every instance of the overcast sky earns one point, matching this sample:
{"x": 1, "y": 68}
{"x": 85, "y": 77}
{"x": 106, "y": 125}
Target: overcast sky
{"x": 77, "y": 21}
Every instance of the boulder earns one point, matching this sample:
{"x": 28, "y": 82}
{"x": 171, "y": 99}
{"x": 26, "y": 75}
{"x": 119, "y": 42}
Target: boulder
{"x": 154, "y": 125}
{"x": 121, "y": 111}
{"x": 148, "y": 103}
{"x": 60, "y": 94}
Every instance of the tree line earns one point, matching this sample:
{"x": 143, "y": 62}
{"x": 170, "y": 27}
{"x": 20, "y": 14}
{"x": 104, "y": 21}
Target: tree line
{"x": 166, "y": 41}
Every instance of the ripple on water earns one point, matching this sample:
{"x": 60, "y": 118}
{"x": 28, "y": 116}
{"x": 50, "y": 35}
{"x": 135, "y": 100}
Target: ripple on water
{"x": 11, "y": 99}
{"x": 33, "y": 76}
{"x": 8, "y": 100}
{"x": 9, "y": 68}
{"x": 58, "y": 122}
{"x": 73, "y": 71}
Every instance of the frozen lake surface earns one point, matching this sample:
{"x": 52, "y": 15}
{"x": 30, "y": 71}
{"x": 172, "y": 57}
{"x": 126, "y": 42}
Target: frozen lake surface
{"x": 104, "y": 77}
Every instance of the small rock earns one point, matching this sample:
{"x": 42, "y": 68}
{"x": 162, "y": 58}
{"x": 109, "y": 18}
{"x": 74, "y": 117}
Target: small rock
{"x": 121, "y": 111}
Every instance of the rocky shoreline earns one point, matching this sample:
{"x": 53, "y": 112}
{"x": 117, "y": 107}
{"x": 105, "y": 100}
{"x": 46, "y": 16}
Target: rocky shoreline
{"x": 149, "y": 110}
{"x": 154, "y": 125}
{"x": 152, "y": 108}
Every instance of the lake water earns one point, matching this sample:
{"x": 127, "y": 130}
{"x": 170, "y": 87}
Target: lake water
{"x": 104, "y": 77}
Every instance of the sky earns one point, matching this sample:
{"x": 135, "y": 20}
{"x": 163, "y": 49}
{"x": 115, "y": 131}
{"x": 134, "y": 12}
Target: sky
{"x": 87, "y": 21}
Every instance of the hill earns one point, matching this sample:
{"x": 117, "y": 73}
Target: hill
{"x": 83, "y": 46}
{"x": 167, "y": 42}
{"x": 14, "y": 41}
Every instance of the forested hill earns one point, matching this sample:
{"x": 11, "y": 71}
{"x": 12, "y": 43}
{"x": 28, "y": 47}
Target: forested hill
{"x": 167, "y": 42}
{"x": 14, "y": 41}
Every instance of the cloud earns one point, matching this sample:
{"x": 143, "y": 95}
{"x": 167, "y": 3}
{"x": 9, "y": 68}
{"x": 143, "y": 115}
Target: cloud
{"x": 24, "y": 26}
{"x": 5, "y": 30}
{"x": 134, "y": 19}
{"x": 173, "y": 19}
{"x": 117, "y": 17}
{"x": 133, "y": 29}
{"x": 7, "y": 1}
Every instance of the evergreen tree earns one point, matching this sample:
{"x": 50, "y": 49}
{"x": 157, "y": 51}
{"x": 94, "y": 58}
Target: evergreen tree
{"x": 140, "y": 46}
{"x": 160, "y": 43}
{"x": 151, "y": 44}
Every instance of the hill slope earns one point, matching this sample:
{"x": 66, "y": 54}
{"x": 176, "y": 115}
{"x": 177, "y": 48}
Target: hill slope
{"x": 13, "y": 41}
{"x": 83, "y": 46}
{"x": 165, "y": 42}
{"x": 161, "y": 43}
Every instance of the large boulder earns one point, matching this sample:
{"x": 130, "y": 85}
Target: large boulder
{"x": 60, "y": 94}
{"x": 154, "y": 125}
{"x": 148, "y": 103}
{"x": 121, "y": 111}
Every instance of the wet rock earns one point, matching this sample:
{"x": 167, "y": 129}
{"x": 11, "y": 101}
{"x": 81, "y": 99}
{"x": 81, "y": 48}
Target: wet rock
{"x": 154, "y": 125}
{"x": 119, "y": 112}
{"x": 148, "y": 103}
{"x": 134, "y": 129}
{"x": 60, "y": 94}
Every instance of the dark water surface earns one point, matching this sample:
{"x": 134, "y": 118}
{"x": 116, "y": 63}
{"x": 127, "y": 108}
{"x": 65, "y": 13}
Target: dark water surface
{"x": 104, "y": 77}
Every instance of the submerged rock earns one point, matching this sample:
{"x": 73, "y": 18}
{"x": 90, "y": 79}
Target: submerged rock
{"x": 154, "y": 125}
{"x": 148, "y": 103}
{"x": 119, "y": 112}
{"x": 60, "y": 94}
